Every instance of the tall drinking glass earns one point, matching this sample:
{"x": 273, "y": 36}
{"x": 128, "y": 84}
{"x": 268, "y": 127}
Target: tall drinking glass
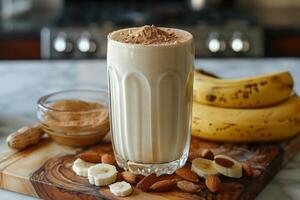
{"x": 150, "y": 88}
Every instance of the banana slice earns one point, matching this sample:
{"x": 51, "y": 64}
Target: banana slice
{"x": 203, "y": 167}
{"x": 80, "y": 167}
{"x": 121, "y": 189}
{"x": 102, "y": 174}
{"x": 228, "y": 166}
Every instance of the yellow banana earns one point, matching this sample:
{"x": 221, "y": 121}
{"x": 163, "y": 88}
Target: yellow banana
{"x": 274, "y": 123}
{"x": 252, "y": 92}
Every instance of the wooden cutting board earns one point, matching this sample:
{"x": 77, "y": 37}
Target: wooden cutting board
{"x": 44, "y": 171}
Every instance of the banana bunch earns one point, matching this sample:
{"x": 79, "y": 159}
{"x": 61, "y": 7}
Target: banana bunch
{"x": 257, "y": 109}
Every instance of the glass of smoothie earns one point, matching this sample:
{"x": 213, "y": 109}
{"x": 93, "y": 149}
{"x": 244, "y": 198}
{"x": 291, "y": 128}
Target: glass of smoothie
{"x": 150, "y": 76}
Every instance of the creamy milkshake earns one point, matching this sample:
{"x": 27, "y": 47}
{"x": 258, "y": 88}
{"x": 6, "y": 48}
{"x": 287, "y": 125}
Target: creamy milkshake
{"x": 150, "y": 74}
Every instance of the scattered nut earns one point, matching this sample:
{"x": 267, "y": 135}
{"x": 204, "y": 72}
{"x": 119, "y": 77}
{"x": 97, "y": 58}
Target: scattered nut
{"x": 224, "y": 162}
{"x": 108, "y": 159}
{"x": 213, "y": 183}
{"x": 164, "y": 185}
{"x": 187, "y": 174}
{"x": 129, "y": 177}
{"x": 25, "y": 137}
{"x": 147, "y": 181}
{"x": 188, "y": 186}
{"x": 247, "y": 170}
{"x": 92, "y": 157}
{"x": 207, "y": 154}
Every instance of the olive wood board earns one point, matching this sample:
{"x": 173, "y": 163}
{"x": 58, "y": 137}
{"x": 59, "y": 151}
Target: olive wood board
{"x": 44, "y": 171}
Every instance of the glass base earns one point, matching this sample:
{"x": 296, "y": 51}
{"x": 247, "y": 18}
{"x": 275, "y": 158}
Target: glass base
{"x": 146, "y": 169}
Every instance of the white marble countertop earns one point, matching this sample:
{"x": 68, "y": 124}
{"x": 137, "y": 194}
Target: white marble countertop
{"x": 23, "y": 82}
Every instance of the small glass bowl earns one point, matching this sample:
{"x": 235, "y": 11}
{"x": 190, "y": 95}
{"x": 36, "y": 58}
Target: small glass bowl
{"x": 75, "y": 128}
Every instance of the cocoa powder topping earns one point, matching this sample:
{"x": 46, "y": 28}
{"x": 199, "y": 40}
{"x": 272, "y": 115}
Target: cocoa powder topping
{"x": 148, "y": 35}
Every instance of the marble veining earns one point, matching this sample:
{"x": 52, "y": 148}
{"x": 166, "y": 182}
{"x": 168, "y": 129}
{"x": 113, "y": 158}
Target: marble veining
{"x": 23, "y": 82}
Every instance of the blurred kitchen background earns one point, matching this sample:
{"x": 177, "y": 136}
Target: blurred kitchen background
{"x": 77, "y": 29}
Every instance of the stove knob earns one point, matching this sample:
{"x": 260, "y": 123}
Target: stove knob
{"x": 215, "y": 44}
{"x": 62, "y": 44}
{"x": 239, "y": 44}
{"x": 86, "y": 45}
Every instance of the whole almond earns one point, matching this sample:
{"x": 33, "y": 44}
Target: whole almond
{"x": 108, "y": 159}
{"x": 147, "y": 181}
{"x": 92, "y": 157}
{"x": 129, "y": 177}
{"x": 247, "y": 170}
{"x": 207, "y": 154}
{"x": 187, "y": 174}
{"x": 164, "y": 185}
{"x": 188, "y": 186}
{"x": 224, "y": 162}
{"x": 213, "y": 183}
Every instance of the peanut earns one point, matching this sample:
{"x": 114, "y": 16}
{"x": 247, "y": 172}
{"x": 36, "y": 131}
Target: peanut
{"x": 24, "y": 137}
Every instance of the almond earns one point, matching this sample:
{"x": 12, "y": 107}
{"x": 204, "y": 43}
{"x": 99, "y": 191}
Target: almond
{"x": 147, "y": 181}
{"x": 129, "y": 177}
{"x": 224, "y": 162}
{"x": 247, "y": 170}
{"x": 213, "y": 183}
{"x": 164, "y": 185}
{"x": 108, "y": 159}
{"x": 188, "y": 186}
{"x": 187, "y": 174}
{"x": 207, "y": 154}
{"x": 92, "y": 157}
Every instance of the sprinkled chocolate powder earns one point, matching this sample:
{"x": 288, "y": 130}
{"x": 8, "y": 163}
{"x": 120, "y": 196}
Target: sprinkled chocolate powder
{"x": 148, "y": 35}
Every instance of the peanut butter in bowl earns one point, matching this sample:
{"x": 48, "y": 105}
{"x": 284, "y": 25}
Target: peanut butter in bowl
{"x": 75, "y": 117}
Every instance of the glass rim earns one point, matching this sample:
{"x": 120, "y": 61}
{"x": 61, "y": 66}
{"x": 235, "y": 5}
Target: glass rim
{"x": 172, "y": 45}
{"x": 42, "y": 100}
